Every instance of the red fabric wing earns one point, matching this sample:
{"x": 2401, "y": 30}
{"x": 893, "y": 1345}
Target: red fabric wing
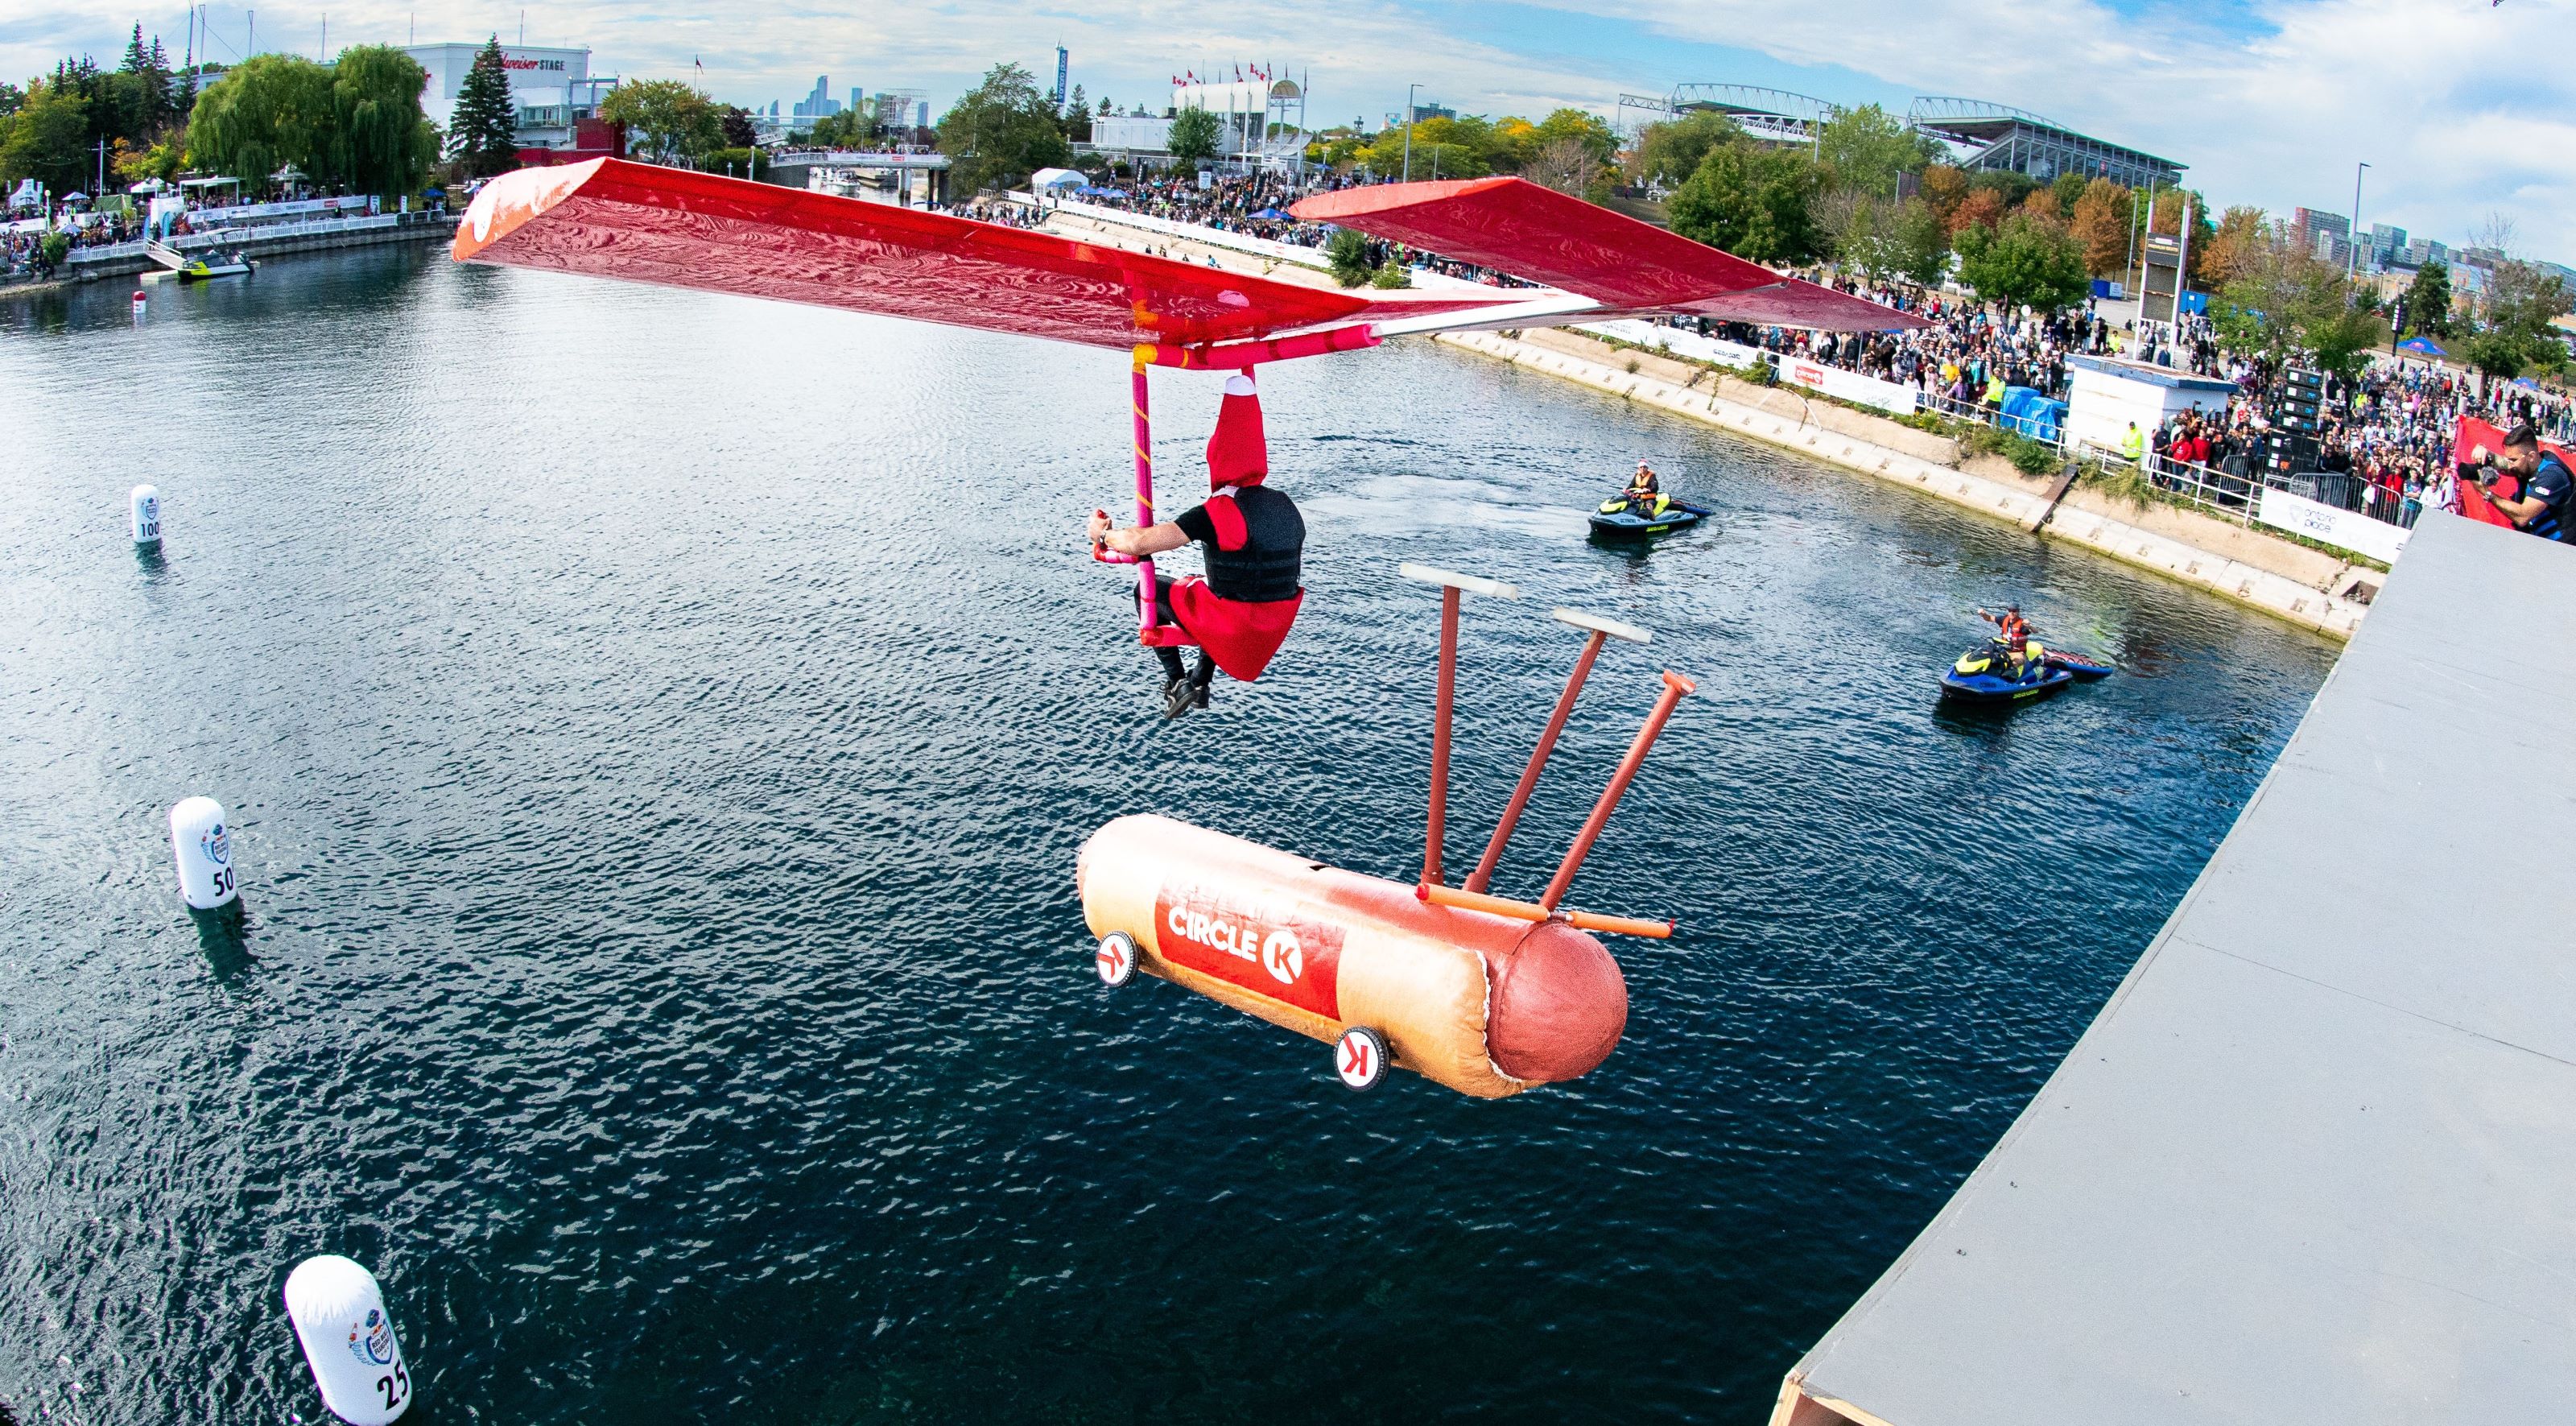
{"x": 610, "y": 218}
{"x": 1628, "y": 266}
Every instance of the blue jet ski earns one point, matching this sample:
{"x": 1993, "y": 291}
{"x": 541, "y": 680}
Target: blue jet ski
{"x": 1626, "y": 519}
{"x": 1986, "y": 675}
{"x": 2085, "y": 667}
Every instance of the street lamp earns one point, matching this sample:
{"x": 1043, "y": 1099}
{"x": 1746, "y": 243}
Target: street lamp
{"x": 2352, "y": 255}
{"x": 1408, "y": 131}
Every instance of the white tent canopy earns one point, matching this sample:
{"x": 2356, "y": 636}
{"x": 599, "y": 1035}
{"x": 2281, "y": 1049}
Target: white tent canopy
{"x": 1047, "y": 178}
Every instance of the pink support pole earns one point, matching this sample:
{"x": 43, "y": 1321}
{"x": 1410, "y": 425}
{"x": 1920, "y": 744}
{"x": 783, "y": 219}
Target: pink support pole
{"x": 1675, "y": 687}
{"x": 1440, "y": 735}
{"x": 1144, "y": 490}
{"x": 1484, "y": 872}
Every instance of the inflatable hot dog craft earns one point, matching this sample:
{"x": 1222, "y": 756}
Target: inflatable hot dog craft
{"x": 1484, "y": 1004}
{"x": 1484, "y": 995}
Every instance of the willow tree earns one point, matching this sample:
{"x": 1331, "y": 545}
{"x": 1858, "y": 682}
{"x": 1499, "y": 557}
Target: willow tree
{"x": 380, "y": 142}
{"x": 267, "y": 112}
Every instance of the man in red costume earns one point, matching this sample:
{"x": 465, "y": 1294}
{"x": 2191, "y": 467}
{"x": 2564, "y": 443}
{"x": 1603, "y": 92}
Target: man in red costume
{"x": 1252, "y": 541}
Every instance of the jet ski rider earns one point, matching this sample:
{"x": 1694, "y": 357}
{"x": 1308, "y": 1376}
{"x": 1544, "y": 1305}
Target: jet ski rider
{"x": 1252, "y": 540}
{"x": 2012, "y": 631}
{"x": 1645, "y": 492}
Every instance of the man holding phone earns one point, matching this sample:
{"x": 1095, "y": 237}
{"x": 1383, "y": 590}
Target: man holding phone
{"x": 2543, "y": 507}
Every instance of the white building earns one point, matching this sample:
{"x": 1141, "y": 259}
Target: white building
{"x": 2108, "y": 395}
{"x": 552, "y": 87}
{"x": 1117, "y": 133}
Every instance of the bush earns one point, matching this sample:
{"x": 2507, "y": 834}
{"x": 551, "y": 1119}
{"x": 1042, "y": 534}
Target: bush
{"x": 1347, "y": 255}
{"x": 1393, "y": 274}
{"x": 55, "y": 247}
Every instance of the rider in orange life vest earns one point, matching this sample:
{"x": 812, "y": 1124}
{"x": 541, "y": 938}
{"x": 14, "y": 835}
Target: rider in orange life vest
{"x": 2011, "y": 630}
{"x": 1643, "y": 485}
{"x": 1252, "y": 540}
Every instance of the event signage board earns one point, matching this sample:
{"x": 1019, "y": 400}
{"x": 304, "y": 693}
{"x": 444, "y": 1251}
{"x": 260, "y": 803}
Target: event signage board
{"x": 2343, "y": 529}
{"x": 1842, "y": 385}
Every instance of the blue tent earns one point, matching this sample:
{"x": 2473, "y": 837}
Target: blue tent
{"x": 2421, "y": 347}
{"x": 2032, "y": 414}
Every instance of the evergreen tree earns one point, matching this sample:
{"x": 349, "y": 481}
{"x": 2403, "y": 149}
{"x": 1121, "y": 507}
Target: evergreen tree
{"x": 2428, "y": 301}
{"x": 483, "y": 136}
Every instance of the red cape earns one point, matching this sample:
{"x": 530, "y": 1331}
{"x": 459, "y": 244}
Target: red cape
{"x": 1240, "y": 637}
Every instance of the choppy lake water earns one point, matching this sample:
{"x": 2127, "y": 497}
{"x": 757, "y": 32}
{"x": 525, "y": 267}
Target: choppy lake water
{"x": 658, "y": 729}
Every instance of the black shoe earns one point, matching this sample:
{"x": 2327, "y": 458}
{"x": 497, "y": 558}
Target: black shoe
{"x": 1198, "y": 695}
{"x": 1180, "y": 698}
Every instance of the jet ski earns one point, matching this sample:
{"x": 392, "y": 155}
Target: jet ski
{"x": 1985, "y": 675}
{"x": 1626, "y": 519}
{"x": 2085, "y": 667}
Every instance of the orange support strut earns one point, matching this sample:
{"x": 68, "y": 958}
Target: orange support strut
{"x": 1528, "y": 911}
{"x": 1676, "y": 688}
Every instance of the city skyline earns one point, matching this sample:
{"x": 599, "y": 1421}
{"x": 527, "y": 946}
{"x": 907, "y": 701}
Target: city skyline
{"x": 2269, "y": 102}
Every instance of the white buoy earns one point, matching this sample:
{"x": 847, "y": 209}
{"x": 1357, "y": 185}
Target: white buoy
{"x": 138, "y": 302}
{"x": 143, "y": 512}
{"x": 203, "y": 849}
{"x": 348, "y": 1340}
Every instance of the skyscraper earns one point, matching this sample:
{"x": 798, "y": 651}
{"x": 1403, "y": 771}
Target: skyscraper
{"x": 820, "y": 104}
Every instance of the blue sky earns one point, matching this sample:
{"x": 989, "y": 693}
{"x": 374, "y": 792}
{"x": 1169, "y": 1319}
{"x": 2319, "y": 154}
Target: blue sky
{"x": 2270, "y": 102}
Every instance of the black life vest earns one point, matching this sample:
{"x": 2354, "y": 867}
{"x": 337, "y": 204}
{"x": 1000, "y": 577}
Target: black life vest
{"x": 1259, "y": 546}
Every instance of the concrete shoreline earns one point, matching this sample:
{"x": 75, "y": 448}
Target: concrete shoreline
{"x": 2288, "y": 581}
{"x": 407, "y": 228}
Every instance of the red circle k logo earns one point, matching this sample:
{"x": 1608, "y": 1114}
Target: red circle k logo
{"x": 1282, "y": 956}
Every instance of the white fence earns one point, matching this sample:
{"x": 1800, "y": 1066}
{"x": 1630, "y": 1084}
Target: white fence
{"x": 229, "y": 237}
{"x": 1213, "y": 237}
{"x": 1842, "y": 385}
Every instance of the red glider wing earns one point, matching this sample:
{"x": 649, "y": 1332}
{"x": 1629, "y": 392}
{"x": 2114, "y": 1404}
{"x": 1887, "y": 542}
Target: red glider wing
{"x": 1625, "y": 265}
{"x": 610, "y": 218}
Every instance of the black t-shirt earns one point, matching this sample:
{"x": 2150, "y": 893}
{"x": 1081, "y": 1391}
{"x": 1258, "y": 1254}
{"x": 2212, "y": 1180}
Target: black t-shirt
{"x": 2552, "y": 484}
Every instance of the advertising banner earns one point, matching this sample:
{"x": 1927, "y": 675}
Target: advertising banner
{"x": 1842, "y": 385}
{"x": 2343, "y": 529}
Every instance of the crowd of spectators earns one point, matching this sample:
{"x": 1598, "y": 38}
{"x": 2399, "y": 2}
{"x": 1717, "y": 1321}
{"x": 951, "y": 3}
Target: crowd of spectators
{"x": 2386, "y": 443}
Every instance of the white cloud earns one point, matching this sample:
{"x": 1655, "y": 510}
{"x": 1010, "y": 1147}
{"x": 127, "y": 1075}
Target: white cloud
{"x": 2460, "y": 106}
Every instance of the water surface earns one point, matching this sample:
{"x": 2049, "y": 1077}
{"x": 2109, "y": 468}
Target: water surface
{"x": 658, "y": 729}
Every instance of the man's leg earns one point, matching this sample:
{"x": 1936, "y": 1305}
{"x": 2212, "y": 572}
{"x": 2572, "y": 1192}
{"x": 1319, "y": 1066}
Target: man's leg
{"x": 1200, "y": 678}
{"x": 1173, "y": 673}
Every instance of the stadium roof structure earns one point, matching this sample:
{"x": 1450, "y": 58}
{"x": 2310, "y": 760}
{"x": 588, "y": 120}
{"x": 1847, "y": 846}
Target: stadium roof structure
{"x": 2000, "y": 138}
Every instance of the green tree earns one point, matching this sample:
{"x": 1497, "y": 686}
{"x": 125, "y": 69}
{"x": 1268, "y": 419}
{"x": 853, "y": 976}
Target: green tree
{"x": 1077, "y": 118}
{"x": 268, "y": 112}
{"x": 1867, "y": 148}
{"x": 379, "y": 142}
{"x": 2428, "y": 301}
{"x": 2522, "y": 300}
{"x": 847, "y": 129}
{"x": 2069, "y": 190}
{"x": 1194, "y": 134}
{"x": 483, "y": 133}
{"x": 11, "y": 96}
{"x": 1670, "y": 152}
{"x": 1750, "y": 201}
{"x": 45, "y": 139}
{"x": 1001, "y": 131}
{"x": 2028, "y": 261}
{"x": 1346, "y": 252}
{"x": 1576, "y": 125}
{"x": 2284, "y": 302}
{"x": 673, "y": 119}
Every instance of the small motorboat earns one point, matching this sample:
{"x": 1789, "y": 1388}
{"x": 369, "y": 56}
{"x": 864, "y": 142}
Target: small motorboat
{"x": 1625, "y": 519}
{"x": 200, "y": 270}
{"x": 1985, "y": 675}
